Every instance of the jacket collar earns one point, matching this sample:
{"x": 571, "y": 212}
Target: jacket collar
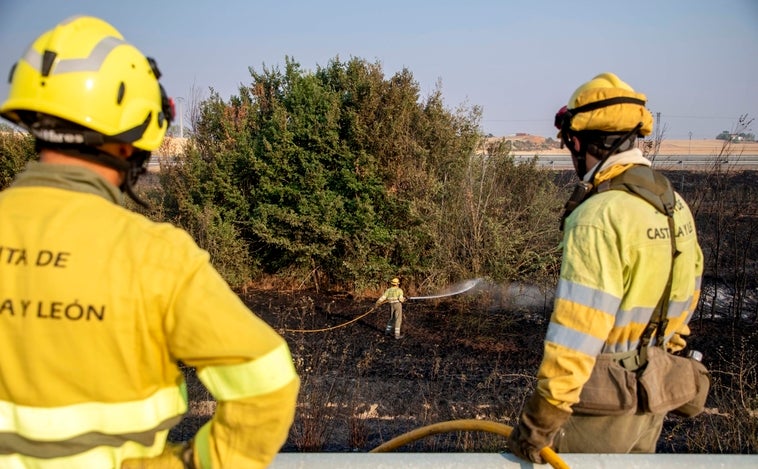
{"x": 67, "y": 177}
{"x": 617, "y": 164}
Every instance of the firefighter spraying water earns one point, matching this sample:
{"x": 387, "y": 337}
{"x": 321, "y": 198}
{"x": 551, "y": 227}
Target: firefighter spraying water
{"x": 395, "y": 297}
{"x": 389, "y": 295}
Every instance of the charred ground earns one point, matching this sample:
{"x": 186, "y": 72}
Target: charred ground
{"x": 466, "y": 357}
{"x": 475, "y": 356}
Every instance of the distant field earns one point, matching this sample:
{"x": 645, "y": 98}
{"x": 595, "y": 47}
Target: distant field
{"x": 668, "y": 147}
{"x": 706, "y": 147}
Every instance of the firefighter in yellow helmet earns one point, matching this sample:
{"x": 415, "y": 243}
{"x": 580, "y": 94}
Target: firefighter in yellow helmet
{"x": 394, "y": 296}
{"x": 98, "y": 304}
{"x": 620, "y": 263}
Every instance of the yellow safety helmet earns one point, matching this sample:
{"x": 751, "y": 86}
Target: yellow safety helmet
{"x": 605, "y": 104}
{"x": 83, "y": 72}
{"x": 395, "y": 281}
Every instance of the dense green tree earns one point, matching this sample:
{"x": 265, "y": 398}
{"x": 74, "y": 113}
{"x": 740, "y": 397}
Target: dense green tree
{"x": 347, "y": 177}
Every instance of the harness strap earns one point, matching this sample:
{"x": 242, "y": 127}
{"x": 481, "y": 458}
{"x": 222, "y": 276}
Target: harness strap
{"x": 606, "y": 102}
{"x": 655, "y": 189}
{"x": 658, "y": 320}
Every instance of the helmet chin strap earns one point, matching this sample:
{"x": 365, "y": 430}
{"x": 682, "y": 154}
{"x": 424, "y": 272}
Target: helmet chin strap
{"x": 581, "y": 154}
{"x": 613, "y": 149}
{"x": 581, "y": 158}
{"x": 137, "y": 168}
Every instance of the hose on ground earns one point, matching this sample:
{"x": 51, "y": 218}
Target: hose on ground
{"x": 547, "y": 454}
{"x": 333, "y": 327}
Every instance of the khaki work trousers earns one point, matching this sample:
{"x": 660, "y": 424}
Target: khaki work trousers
{"x": 636, "y": 433}
{"x": 396, "y": 318}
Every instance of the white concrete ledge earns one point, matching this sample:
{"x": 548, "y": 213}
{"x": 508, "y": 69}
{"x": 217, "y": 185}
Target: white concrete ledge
{"x": 507, "y": 460}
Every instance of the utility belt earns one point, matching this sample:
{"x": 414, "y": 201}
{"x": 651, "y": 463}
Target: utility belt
{"x": 650, "y": 381}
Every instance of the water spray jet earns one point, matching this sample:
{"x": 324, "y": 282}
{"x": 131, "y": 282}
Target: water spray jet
{"x": 456, "y": 290}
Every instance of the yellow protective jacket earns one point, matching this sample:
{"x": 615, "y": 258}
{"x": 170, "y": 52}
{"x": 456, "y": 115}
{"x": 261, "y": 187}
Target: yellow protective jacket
{"x": 616, "y": 261}
{"x": 392, "y": 295}
{"x": 97, "y": 306}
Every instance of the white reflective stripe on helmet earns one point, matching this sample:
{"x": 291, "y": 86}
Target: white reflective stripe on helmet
{"x": 90, "y": 63}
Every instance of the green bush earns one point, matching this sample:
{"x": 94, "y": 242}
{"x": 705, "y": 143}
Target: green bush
{"x": 346, "y": 178}
{"x": 16, "y": 149}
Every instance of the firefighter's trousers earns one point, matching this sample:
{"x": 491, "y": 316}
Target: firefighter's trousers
{"x": 637, "y": 433}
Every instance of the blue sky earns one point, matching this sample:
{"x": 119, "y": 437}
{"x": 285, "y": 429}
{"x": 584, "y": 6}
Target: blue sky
{"x": 519, "y": 60}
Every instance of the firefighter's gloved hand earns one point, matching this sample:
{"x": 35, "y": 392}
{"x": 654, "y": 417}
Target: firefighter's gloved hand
{"x": 174, "y": 456}
{"x": 677, "y": 341}
{"x": 538, "y": 425}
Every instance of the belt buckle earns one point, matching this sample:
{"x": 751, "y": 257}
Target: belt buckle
{"x": 631, "y": 363}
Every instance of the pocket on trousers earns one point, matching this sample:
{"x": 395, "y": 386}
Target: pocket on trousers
{"x": 611, "y": 390}
{"x": 672, "y": 383}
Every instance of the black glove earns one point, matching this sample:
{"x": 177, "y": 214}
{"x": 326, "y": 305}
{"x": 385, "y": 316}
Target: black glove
{"x": 539, "y": 422}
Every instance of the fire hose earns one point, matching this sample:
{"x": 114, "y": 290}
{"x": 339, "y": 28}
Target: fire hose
{"x": 453, "y": 425}
{"x": 466, "y": 286}
{"x": 324, "y": 329}
{"x": 547, "y": 454}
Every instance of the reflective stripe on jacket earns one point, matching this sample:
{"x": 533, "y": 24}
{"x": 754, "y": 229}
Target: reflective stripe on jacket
{"x": 97, "y": 306}
{"x": 616, "y": 261}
